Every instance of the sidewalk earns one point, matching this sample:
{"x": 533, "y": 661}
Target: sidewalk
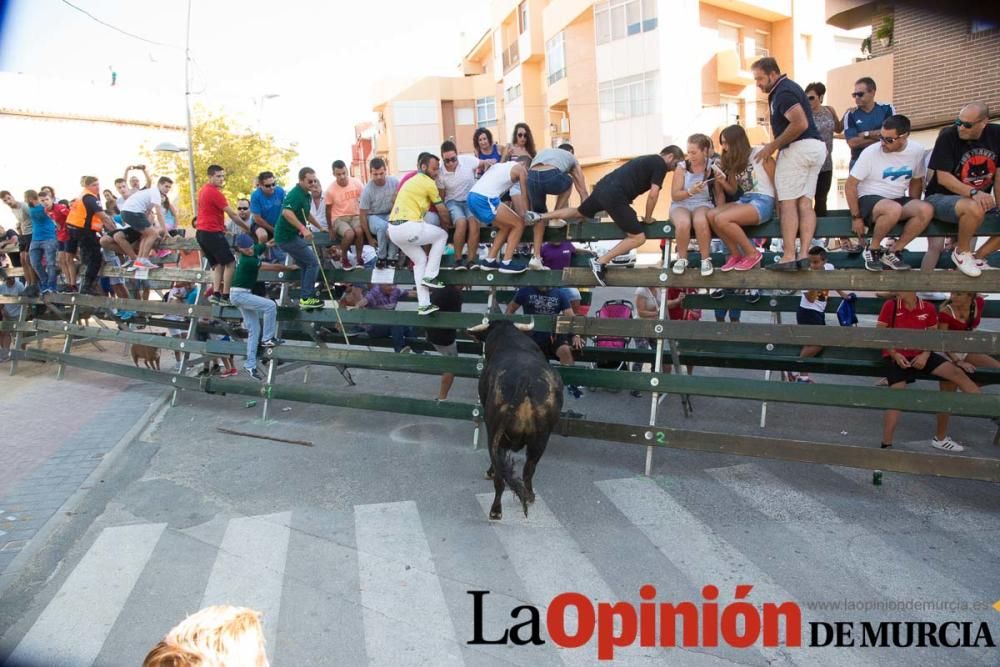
{"x": 56, "y": 434}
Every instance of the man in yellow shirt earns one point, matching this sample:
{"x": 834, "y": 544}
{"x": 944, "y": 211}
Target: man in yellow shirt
{"x": 408, "y": 230}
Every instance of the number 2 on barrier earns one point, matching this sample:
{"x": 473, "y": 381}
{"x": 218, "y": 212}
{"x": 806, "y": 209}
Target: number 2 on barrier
{"x": 661, "y": 438}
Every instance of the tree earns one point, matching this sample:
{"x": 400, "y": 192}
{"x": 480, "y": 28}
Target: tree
{"x": 222, "y": 141}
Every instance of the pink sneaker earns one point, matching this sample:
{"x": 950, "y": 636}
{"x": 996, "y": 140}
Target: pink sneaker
{"x": 747, "y": 263}
{"x": 731, "y": 263}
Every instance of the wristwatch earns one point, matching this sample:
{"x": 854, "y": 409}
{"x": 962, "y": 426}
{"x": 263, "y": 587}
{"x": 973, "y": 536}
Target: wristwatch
{"x": 867, "y": 134}
{"x": 856, "y": 216}
{"x": 973, "y": 192}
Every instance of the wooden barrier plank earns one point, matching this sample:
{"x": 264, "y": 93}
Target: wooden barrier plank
{"x": 789, "y": 304}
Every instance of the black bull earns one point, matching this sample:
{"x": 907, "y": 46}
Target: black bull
{"x": 522, "y": 397}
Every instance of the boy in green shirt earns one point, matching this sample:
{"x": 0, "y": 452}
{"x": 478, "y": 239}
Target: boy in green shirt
{"x": 253, "y": 307}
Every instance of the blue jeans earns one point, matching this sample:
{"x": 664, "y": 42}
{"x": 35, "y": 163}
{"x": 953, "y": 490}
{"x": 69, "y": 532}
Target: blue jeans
{"x": 379, "y": 226}
{"x": 397, "y": 332}
{"x": 301, "y": 251}
{"x": 46, "y": 277}
{"x": 252, "y": 308}
{"x": 545, "y": 182}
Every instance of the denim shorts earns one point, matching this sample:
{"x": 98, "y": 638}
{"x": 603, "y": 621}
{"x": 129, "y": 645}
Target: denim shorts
{"x": 542, "y": 182}
{"x": 763, "y": 203}
{"x": 484, "y": 208}
{"x": 136, "y": 221}
{"x": 458, "y": 210}
{"x": 944, "y": 207}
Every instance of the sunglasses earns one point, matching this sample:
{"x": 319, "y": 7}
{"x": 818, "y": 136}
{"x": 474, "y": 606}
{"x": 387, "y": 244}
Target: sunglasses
{"x": 858, "y": 94}
{"x": 267, "y": 185}
{"x": 242, "y": 208}
{"x": 811, "y": 98}
{"x": 966, "y": 124}
{"x": 311, "y": 181}
{"x": 449, "y": 160}
{"x": 521, "y": 135}
{"x": 892, "y": 140}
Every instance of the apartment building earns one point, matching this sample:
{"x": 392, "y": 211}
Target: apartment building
{"x": 616, "y": 78}
{"x": 927, "y": 63}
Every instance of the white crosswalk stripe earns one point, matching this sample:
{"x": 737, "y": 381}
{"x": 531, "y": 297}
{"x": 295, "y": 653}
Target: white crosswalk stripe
{"x": 250, "y": 568}
{"x": 704, "y": 557}
{"x": 74, "y": 626}
{"x": 405, "y": 613}
{"x": 549, "y": 562}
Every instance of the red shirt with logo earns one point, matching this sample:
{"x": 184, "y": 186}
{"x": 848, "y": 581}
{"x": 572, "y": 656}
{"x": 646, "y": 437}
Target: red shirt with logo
{"x": 947, "y": 316}
{"x": 58, "y": 213}
{"x": 212, "y": 206}
{"x": 896, "y": 315}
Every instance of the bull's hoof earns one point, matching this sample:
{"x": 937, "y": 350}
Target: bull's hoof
{"x": 524, "y": 504}
{"x": 531, "y": 498}
{"x": 488, "y": 474}
{"x": 495, "y": 516}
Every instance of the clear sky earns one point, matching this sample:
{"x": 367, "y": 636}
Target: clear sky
{"x": 319, "y": 57}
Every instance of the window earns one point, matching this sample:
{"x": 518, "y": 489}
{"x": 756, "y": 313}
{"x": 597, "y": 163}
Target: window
{"x": 486, "y": 111}
{"x": 522, "y": 17}
{"x": 512, "y": 93}
{"x": 629, "y": 97}
{"x": 983, "y": 26}
{"x": 617, "y": 19}
{"x": 762, "y": 48}
{"x": 555, "y": 58}
{"x": 465, "y": 116}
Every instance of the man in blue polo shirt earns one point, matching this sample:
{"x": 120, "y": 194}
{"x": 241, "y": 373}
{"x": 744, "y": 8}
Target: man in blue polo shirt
{"x": 863, "y": 125}
{"x": 801, "y": 154}
{"x": 265, "y": 206}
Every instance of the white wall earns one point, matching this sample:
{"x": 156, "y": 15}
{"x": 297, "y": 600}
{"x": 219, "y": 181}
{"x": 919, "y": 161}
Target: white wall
{"x": 416, "y": 128}
{"x": 681, "y": 40}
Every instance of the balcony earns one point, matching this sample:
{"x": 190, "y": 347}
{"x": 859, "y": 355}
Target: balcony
{"x": 765, "y": 10}
{"x": 729, "y": 68}
{"x": 510, "y": 57}
{"x": 849, "y": 14}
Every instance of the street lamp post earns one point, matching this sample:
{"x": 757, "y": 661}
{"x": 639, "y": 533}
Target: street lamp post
{"x": 187, "y": 107}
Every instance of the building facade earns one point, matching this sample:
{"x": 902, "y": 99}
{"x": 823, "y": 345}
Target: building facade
{"x": 616, "y": 78}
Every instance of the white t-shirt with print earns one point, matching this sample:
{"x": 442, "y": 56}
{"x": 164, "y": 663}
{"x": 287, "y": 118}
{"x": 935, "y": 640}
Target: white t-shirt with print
{"x": 456, "y": 184}
{"x": 142, "y": 201}
{"x": 888, "y": 174}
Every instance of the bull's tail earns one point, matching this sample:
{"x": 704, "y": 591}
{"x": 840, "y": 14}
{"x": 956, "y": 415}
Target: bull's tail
{"x": 510, "y": 478}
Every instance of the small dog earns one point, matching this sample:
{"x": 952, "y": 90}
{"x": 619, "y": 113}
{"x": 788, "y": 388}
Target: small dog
{"x": 149, "y": 355}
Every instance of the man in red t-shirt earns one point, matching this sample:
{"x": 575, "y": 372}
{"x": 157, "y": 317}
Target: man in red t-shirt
{"x": 211, "y": 233}
{"x": 903, "y": 366}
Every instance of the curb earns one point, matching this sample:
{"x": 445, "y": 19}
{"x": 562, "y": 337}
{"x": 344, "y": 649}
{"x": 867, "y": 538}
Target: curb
{"x": 61, "y": 516}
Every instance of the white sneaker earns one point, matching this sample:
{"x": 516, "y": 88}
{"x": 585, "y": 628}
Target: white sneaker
{"x": 983, "y": 265}
{"x": 946, "y": 444}
{"x": 966, "y": 263}
{"x": 535, "y": 264}
{"x": 555, "y": 223}
{"x": 680, "y": 266}
{"x": 706, "y": 267}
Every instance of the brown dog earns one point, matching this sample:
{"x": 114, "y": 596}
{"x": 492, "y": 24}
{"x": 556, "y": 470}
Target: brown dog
{"x": 149, "y": 355}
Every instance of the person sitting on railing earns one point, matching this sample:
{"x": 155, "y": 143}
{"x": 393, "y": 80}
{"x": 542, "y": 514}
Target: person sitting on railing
{"x": 741, "y": 171}
{"x": 484, "y": 203}
{"x": 904, "y": 366}
{"x": 691, "y": 202}
{"x": 614, "y": 194}
{"x": 961, "y": 182}
{"x": 294, "y": 237}
{"x": 253, "y": 307}
{"x": 884, "y": 188}
{"x": 386, "y": 297}
{"x": 377, "y": 200}
{"x": 552, "y": 301}
{"x": 10, "y": 312}
{"x": 963, "y": 311}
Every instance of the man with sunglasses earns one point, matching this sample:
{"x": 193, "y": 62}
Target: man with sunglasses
{"x": 292, "y": 234}
{"x": 265, "y": 206}
{"x": 242, "y": 210}
{"x": 862, "y": 126}
{"x": 963, "y": 169}
{"x": 454, "y": 182}
{"x": 884, "y": 188}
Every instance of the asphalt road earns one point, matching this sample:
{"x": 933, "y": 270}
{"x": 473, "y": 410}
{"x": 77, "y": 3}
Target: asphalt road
{"x": 362, "y": 548}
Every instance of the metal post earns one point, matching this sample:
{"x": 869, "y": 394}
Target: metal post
{"x": 658, "y": 359}
{"x": 191, "y": 333}
{"x": 775, "y": 319}
{"x": 69, "y": 339}
{"x": 187, "y": 107}
{"x": 272, "y": 364}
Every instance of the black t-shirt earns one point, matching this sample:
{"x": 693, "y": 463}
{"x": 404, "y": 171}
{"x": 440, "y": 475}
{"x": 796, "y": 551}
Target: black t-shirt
{"x": 449, "y": 300}
{"x": 785, "y": 95}
{"x": 92, "y": 205}
{"x": 973, "y": 162}
{"x": 636, "y": 176}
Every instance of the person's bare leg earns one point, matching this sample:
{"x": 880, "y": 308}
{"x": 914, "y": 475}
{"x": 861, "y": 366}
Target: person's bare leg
{"x": 146, "y": 241}
{"x": 943, "y": 418}
{"x": 567, "y": 214}
{"x": 537, "y": 239}
{"x": 729, "y": 225}
{"x": 227, "y": 277}
{"x": 359, "y": 246}
{"x": 562, "y": 199}
{"x": 565, "y": 355}
{"x": 502, "y": 232}
{"x": 630, "y": 242}
{"x": 988, "y": 248}
{"x": 446, "y": 381}
{"x": 934, "y": 247}
{"x": 807, "y": 225}
{"x": 346, "y": 240}
{"x": 890, "y": 419}
{"x": 956, "y": 375}
{"x": 515, "y": 225}
{"x": 29, "y": 273}
{"x": 702, "y": 232}
{"x": 918, "y": 215}
{"x": 789, "y": 228}
{"x": 124, "y": 245}
{"x": 681, "y": 218}
{"x": 217, "y": 273}
{"x": 461, "y": 229}
{"x": 885, "y": 215}
{"x": 473, "y": 239}
{"x": 970, "y": 217}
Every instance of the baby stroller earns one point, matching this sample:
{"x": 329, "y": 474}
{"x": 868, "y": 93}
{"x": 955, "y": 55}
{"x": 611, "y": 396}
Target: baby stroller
{"x": 617, "y": 309}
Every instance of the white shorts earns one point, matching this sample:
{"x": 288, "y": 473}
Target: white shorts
{"x": 798, "y": 169}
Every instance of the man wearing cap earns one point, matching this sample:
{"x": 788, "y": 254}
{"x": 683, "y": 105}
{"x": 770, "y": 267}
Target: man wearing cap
{"x": 252, "y": 307}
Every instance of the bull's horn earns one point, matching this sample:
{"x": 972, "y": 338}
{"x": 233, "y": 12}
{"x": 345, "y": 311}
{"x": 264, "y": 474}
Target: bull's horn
{"x": 525, "y": 327}
{"x": 479, "y": 328}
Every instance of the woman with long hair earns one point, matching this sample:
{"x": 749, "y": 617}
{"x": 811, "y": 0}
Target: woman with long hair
{"x": 486, "y": 149}
{"x": 963, "y": 311}
{"x": 692, "y": 200}
{"x": 738, "y": 172}
{"x": 521, "y": 143}
{"x": 828, "y": 124}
